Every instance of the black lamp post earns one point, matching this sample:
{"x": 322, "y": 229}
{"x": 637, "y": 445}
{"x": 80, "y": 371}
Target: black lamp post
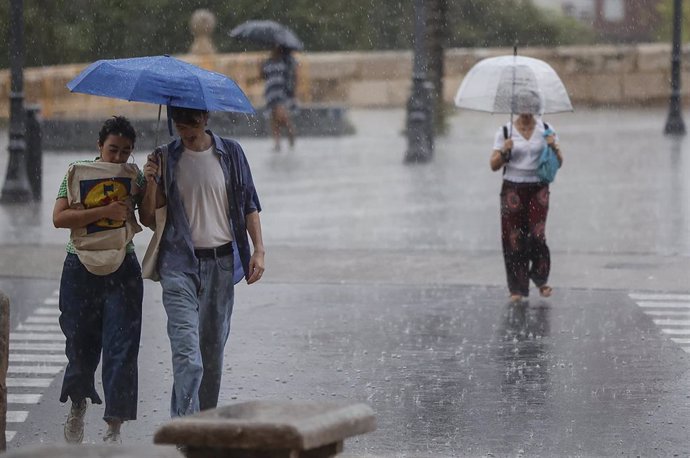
{"x": 674, "y": 122}
{"x": 420, "y": 135}
{"x": 16, "y": 188}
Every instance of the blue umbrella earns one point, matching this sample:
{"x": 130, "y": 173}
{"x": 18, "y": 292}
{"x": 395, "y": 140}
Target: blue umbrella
{"x": 162, "y": 80}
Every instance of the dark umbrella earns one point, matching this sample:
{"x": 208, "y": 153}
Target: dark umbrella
{"x": 268, "y": 33}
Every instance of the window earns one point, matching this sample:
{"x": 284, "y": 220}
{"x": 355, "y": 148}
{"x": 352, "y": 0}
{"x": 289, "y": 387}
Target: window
{"x": 614, "y": 10}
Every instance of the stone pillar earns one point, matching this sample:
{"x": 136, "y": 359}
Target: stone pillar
{"x": 4, "y": 352}
{"x": 201, "y": 25}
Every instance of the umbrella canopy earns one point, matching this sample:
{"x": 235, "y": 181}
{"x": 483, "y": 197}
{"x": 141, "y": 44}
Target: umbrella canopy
{"x": 493, "y": 83}
{"x": 268, "y": 33}
{"x": 162, "y": 80}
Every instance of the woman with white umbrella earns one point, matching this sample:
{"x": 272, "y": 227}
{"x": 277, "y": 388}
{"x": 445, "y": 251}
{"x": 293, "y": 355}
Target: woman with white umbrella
{"x": 524, "y": 196}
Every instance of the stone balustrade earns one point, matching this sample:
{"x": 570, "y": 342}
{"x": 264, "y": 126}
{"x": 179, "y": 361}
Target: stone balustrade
{"x": 612, "y": 75}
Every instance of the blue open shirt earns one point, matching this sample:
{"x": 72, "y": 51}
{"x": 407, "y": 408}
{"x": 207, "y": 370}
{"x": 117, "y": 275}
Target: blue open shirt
{"x": 176, "y": 248}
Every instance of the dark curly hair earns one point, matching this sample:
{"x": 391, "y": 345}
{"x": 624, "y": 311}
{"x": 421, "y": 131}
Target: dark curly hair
{"x": 117, "y": 125}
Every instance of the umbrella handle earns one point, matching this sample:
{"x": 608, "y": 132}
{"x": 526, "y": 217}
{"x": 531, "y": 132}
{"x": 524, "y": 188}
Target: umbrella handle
{"x": 157, "y": 153}
{"x": 505, "y": 137}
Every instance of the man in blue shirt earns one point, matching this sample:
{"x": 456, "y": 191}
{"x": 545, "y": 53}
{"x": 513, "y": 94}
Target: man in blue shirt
{"x": 212, "y": 212}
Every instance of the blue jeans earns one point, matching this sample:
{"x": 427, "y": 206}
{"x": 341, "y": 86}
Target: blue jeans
{"x": 102, "y": 313}
{"x": 199, "y": 309}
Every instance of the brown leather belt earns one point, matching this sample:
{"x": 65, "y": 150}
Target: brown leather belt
{"x": 217, "y": 252}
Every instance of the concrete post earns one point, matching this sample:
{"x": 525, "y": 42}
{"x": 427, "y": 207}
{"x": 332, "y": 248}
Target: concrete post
{"x": 4, "y": 355}
{"x": 268, "y": 429}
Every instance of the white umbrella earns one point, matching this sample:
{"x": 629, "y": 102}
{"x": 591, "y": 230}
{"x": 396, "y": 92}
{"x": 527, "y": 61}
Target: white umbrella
{"x": 492, "y": 84}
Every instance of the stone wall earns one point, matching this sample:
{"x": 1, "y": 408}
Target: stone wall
{"x": 594, "y": 75}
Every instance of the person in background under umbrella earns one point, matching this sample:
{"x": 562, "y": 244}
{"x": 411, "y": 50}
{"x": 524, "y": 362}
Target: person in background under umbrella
{"x": 524, "y": 198}
{"x": 212, "y": 211}
{"x": 280, "y": 73}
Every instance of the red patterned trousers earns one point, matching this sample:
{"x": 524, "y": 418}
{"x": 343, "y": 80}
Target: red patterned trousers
{"x": 524, "y": 207}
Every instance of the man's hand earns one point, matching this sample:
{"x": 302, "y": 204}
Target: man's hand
{"x": 256, "y": 267}
{"x": 151, "y": 172}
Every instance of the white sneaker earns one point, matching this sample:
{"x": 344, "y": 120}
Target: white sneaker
{"x": 112, "y": 435}
{"x": 74, "y": 425}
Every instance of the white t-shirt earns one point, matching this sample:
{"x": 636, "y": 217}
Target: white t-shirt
{"x": 524, "y": 159}
{"x": 201, "y": 183}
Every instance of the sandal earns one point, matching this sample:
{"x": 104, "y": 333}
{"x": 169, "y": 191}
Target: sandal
{"x": 545, "y": 291}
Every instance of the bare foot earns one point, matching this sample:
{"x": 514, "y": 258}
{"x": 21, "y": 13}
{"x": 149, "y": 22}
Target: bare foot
{"x": 545, "y": 291}
{"x": 515, "y": 298}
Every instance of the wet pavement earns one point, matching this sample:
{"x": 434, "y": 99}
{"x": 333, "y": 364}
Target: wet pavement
{"x": 385, "y": 285}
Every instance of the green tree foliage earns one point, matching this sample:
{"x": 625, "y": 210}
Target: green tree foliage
{"x": 478, "y": 23}
{"x": 665, "y": 31}
{"x": 60, "y": 31}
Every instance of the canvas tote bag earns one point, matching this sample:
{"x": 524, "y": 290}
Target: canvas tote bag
{"x": 149, "y": 265}
{"x": 101, "y": 246}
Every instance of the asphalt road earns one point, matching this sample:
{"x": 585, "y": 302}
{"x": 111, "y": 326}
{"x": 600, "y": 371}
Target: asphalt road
{"x": 385, "y": 285}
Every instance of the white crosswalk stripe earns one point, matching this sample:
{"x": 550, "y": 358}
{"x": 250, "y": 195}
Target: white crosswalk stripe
{"x": 671, "y": 322}
{"x": 23, "y": 398}
{"x": 47, "y": 319}
{"x": 36, "y": 357}
{"x": 39, "y": 327}
{"x": 43, "y": 369}
{"x": 682, "y": 314}
{"x": 36, "y": 346}
{"x": 660, "y": 297}
{"x": 17, "y": 416}
{"x": 35, "y": 336}
{"x": 29, "y": 382}
{"x": 671, "y": 312}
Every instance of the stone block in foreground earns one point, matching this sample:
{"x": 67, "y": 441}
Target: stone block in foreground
{"x": 269, "y": 429}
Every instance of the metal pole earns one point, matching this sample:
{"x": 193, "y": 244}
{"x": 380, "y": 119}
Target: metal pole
{"x": 16, "y": 188}
{"x": 420, "y": 137}
{"x": 674, "y": 122}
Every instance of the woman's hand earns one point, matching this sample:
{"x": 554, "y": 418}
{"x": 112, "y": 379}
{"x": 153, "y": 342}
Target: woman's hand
{"x": 551, "y": 140}
{"x": 116, "y": 211}
{"x": 508, "y": 144}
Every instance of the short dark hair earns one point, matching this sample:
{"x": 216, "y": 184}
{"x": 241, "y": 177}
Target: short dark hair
{"x": 117, "y": 125}
{"x": 190, "y": 116}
